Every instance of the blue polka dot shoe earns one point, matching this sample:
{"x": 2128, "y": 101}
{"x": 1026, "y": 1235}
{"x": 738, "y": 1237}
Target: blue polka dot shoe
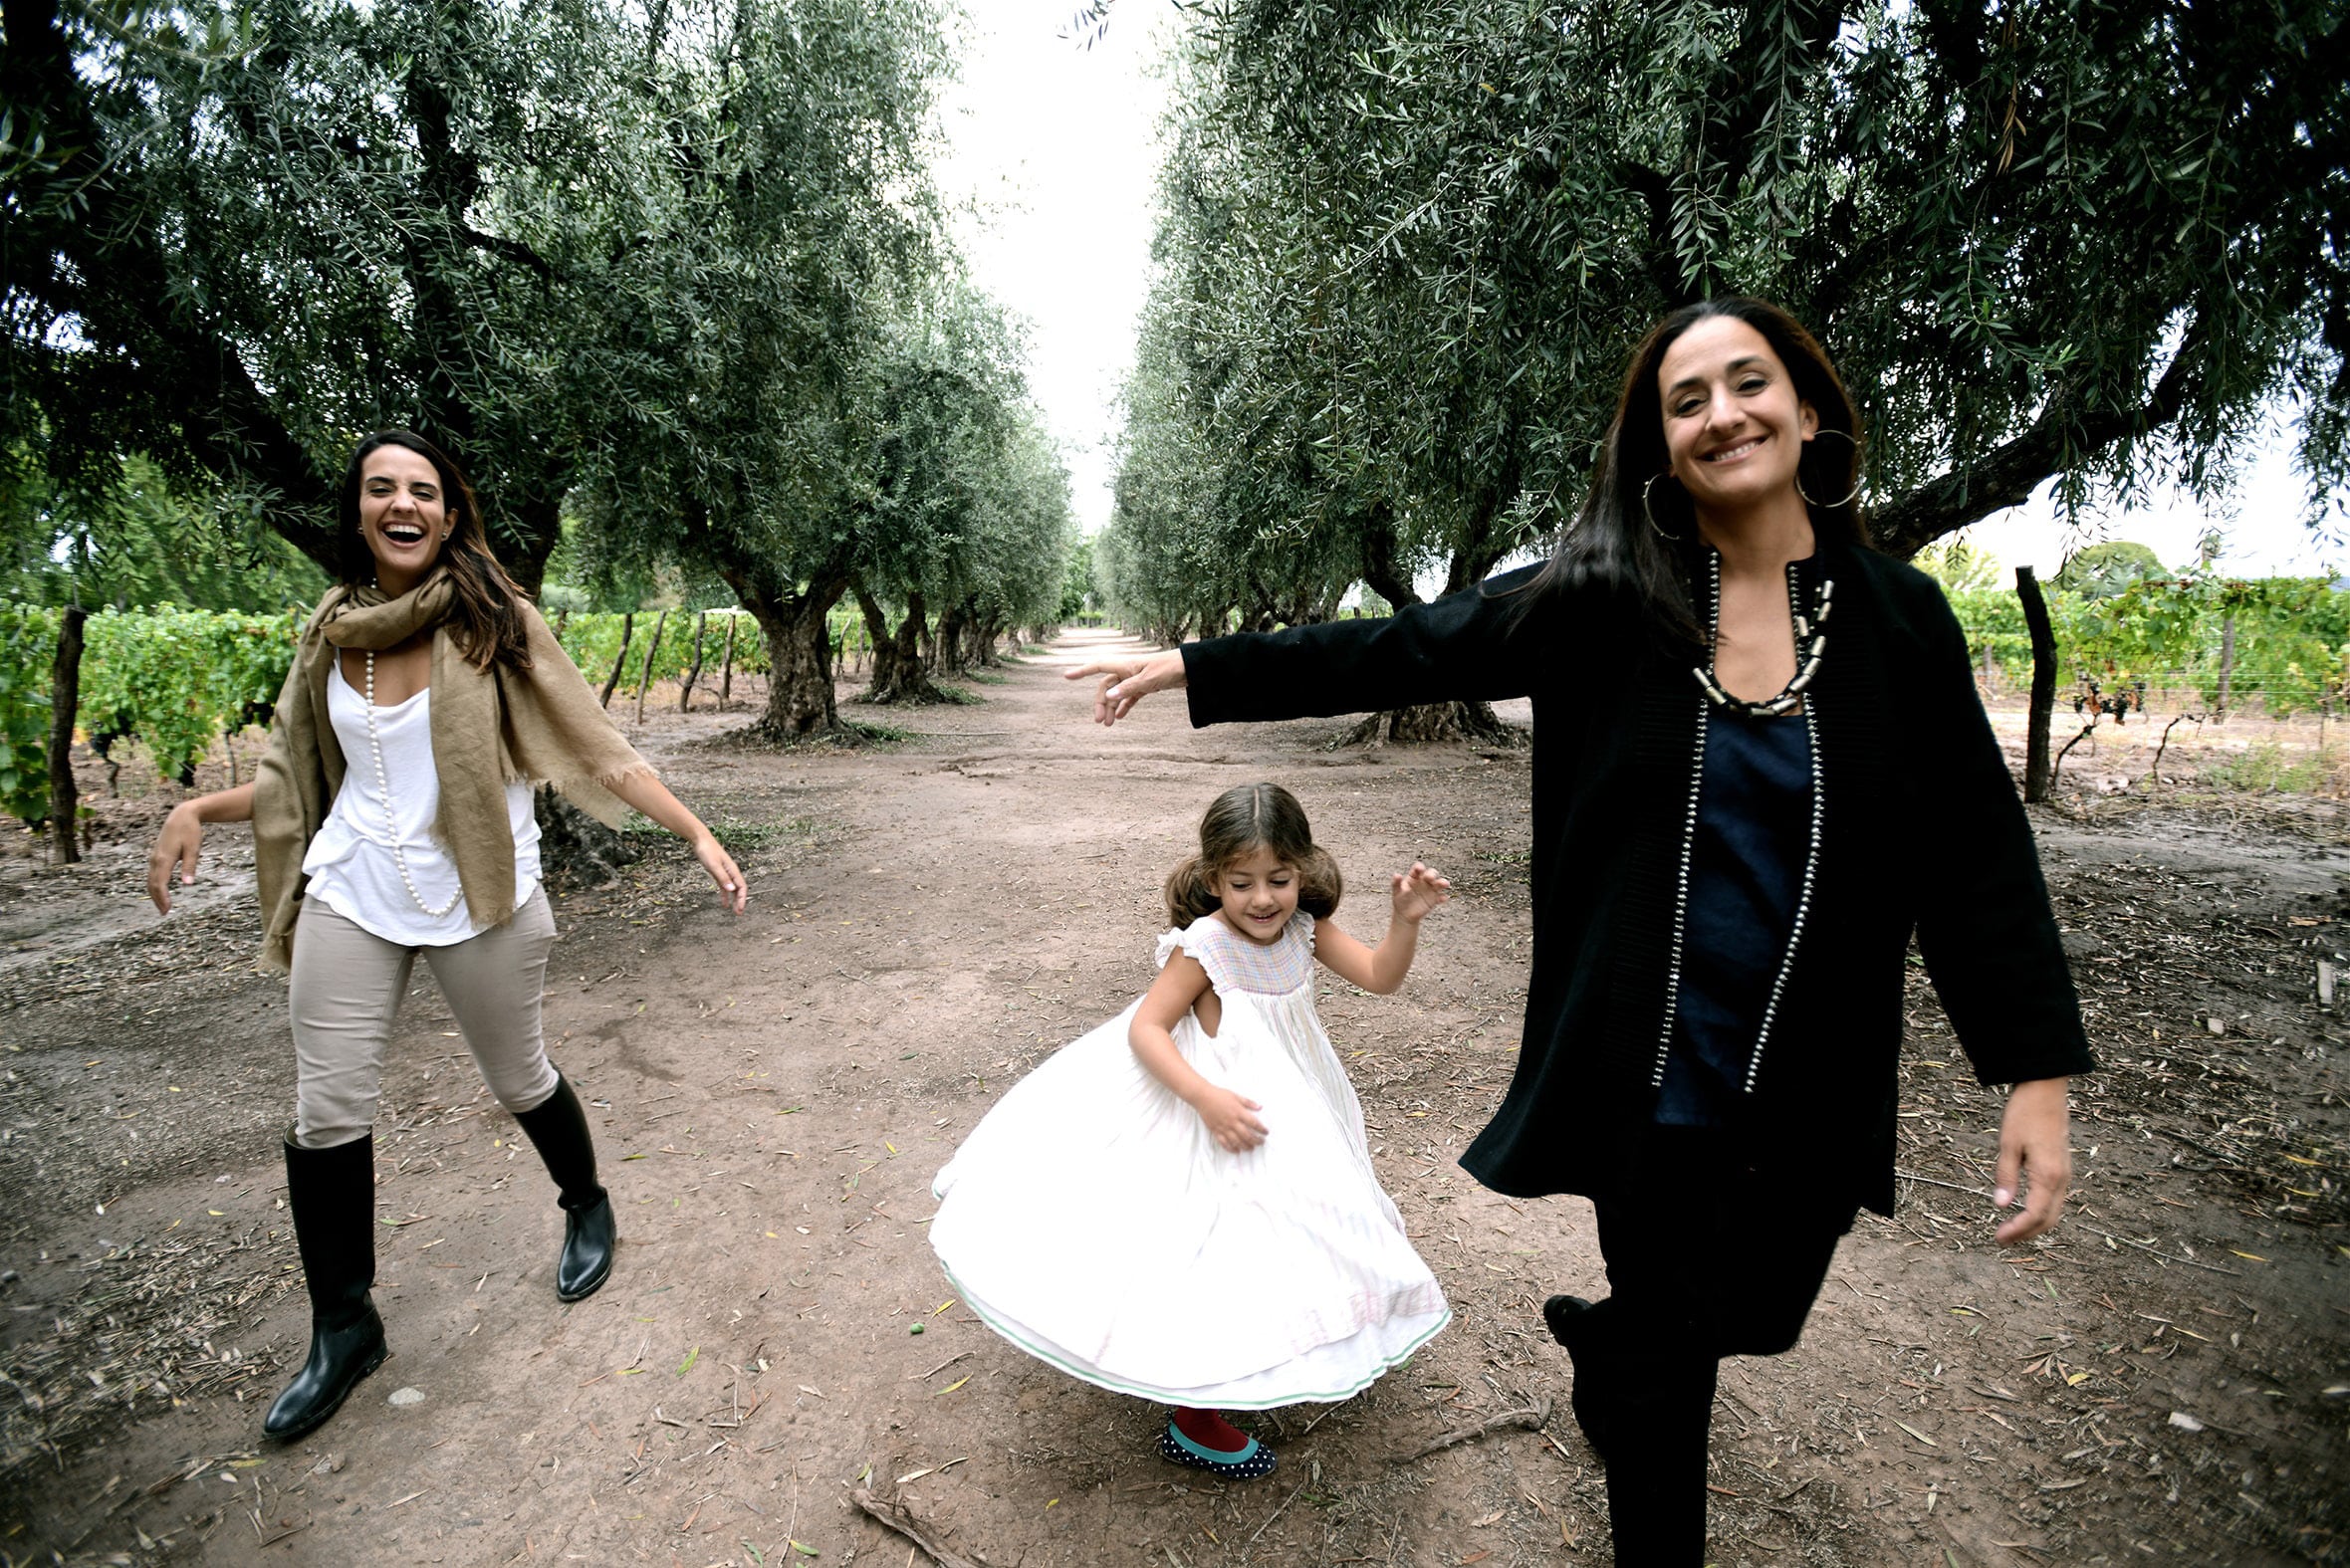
{"x": 1249, "y": 1464}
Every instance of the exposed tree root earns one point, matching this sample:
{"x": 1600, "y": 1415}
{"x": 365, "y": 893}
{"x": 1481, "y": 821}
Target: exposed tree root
{"x": 1474, "y": 722}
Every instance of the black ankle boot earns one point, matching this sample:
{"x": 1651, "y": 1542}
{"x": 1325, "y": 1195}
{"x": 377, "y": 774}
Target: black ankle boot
{"x": 1559, "y": 1315}
{"x": 1570, "y": 1323}
{"x": 332, "y": 1196}
{"x": 558, "y": 1129}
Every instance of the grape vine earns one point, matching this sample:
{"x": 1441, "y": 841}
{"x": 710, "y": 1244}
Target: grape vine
{"x": 2289, "y": 652}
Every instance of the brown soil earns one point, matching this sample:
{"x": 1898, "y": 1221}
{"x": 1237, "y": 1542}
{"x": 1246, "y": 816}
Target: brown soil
{"x": 2164, "y": 1378}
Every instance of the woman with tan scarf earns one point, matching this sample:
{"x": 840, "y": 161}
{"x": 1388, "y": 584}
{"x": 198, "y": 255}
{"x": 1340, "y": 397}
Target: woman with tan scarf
{"x": 391, "y": 816}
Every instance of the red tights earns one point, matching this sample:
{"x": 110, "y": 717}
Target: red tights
{"x": 1210, "y": 1429}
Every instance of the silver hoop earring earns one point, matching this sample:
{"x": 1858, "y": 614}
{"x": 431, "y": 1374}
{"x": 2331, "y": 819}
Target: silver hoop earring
{"x": 1647, "y": 511}
{"x": 1830, "y": 506}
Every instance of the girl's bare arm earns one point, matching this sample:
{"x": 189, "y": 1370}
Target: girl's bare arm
{"x": 1230, "y": 1117}
{"x": 1414, "y": 895}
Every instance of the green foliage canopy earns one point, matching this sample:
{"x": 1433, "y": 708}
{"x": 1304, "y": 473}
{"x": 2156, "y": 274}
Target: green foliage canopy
{"x": 2102, "y": 571}
{"x": 1404, "y": 250}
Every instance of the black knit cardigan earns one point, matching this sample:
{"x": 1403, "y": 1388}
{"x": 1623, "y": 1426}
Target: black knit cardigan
{"x": 1919, "y": 828}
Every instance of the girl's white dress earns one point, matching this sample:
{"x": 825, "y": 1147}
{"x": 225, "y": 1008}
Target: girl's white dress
{"x": 1091, "y": 1220}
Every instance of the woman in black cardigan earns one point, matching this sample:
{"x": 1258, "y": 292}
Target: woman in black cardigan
{"x": 1759, "y": 764}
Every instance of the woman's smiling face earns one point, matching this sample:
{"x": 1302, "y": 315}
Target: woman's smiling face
{"x": 403, "y": 516}
{"x": 1734, "y": 427}
{"x": 1260, "y": 895}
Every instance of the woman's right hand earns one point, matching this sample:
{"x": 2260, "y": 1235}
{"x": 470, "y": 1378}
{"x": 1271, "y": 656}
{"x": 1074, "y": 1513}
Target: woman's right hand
{"x": 176, "y": 848}
{"x": 1230, "y": 1118}
{"x": 1127, "y": 682}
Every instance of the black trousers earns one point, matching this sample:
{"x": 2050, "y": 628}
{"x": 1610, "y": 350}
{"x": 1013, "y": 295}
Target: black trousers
{"x": 1709, "y": 1254}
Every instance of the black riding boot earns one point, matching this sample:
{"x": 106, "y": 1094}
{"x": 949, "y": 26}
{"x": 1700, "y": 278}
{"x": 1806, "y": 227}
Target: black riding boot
{"x": 332, "y": 1194}
{"x": 559, "y": 1130}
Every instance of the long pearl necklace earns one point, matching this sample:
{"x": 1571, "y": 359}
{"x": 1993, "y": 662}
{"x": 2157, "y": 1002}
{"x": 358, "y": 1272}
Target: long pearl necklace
{"x": 391, "y": 825}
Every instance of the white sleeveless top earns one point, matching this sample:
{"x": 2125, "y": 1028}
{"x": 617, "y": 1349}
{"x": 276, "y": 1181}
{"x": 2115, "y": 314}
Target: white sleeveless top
{"x": 350, "y": 863}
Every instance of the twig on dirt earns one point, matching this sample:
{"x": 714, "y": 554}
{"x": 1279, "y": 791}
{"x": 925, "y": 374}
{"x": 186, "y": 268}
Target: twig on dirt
{"x": 1277, "y": 1514}
{"x": 1533, "y": 1418}
{"x": 2083, "y": 1225}
{"x": 2233, "y": 1273}
{"x": 2204, "y": 1148}
{"x": 1912, "y": 1176}
{"x": 918, "y": 1377}
{"x": 897, "y": 1516}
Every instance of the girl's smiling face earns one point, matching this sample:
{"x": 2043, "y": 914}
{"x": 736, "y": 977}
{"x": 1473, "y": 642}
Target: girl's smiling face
{"x": 1258, "y": 894}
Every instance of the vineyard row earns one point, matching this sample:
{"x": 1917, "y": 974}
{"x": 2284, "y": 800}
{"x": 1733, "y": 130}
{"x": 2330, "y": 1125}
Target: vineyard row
{"x": 178, "y": 679}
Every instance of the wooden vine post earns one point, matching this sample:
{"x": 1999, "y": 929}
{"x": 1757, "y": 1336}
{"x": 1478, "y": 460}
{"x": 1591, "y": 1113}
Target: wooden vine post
{"x": 621, "y": 659}
{"x": 2227, "y": 666}
{"x": 685, "y": 693}
{"x": 645, "y": 677}
{"x": 2036, "y": 771}
{"x": 65, "y": 700}
{"x": 725, "y": 673}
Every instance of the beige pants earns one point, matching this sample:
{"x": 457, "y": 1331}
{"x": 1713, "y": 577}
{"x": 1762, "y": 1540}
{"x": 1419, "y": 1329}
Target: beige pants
{"x": 347, "y": 987}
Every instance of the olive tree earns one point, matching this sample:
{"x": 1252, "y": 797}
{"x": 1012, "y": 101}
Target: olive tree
{"x": 237, "y": 239}
{"x": 2093, "y": 242}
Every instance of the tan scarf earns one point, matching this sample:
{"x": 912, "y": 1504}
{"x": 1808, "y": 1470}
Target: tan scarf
{"x": 490, "y": 726}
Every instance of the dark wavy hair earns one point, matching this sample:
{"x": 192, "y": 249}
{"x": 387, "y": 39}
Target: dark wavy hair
{"x": 1242, "y": 821}
{"x": 1611, "y": 545}
{"x": 485, "y": 617}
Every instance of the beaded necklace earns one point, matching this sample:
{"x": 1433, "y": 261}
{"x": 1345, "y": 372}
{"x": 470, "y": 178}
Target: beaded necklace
{"x": 1811, "y": 642}
{"x": 399, "y": 857}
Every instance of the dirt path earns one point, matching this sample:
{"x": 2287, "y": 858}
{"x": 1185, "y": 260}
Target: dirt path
{"x": 929, "y": 919}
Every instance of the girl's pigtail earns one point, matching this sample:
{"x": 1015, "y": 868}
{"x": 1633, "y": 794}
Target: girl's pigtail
{"x": 1318, "y": 883}
{"x": 1191, "y": 892}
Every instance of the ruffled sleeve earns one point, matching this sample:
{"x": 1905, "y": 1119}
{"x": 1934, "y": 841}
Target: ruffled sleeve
{"x": 1208, "y": 943}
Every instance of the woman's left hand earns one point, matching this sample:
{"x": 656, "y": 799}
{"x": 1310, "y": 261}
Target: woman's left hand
{"x": 2035, "y": 1142}
{"x": 733, "y": 891}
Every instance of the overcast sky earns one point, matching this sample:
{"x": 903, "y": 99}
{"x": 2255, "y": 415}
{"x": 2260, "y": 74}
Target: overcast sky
{"x": 1052, "y": 149}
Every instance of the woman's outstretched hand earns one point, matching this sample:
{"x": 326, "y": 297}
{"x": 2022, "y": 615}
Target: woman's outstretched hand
{"x": 176, "y": 849}
{"x": 1418, "y": 893}
{"x": 181, "y": 842}
{"x": 1126, "y": 682}
{"x": 733, "y": 891}
{"x": 2036, "y": 1145}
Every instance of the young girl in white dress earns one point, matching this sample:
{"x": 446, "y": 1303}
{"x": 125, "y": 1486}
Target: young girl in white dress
{"x": 1180, "y": 1205}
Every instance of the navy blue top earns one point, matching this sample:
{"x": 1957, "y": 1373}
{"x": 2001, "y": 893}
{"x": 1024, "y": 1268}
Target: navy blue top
{"x": 1746, "y": 870}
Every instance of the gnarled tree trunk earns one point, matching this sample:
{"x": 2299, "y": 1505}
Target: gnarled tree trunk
{"x": 898, "y": 675}
{"x": 799, "y": 698}
{"x": 577, "y": 850}
{"x": 983, "y": 641}
{"x": 1473, "y": 722}
{"x": 952, "y": 656}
